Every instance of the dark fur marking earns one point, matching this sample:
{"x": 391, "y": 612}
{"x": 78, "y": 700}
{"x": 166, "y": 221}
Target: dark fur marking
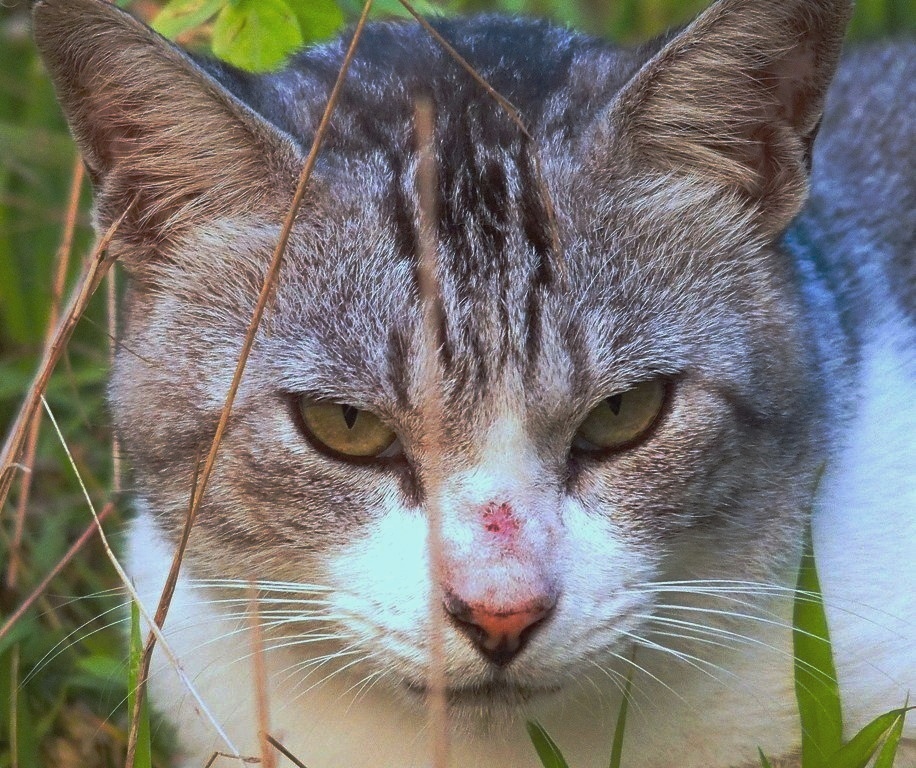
{"x": 399, "y": 362}
{"x": 577, "y": 351}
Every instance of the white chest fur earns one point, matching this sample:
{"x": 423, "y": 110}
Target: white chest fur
{"x": 865, "y": 536}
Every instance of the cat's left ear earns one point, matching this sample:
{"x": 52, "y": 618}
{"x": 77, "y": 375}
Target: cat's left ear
{"x": 156, "y": 131}
{"x": 736, "y": 99}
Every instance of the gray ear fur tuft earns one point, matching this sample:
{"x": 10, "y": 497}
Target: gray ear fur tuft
{"x": 736, "y": 99}
{"x": 152, "y": 125}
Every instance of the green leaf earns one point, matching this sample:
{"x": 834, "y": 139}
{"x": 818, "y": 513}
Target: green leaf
{"x": 547, "y": 748}
{"x": 889, "y": 749}
{"x": 318, "y": 19}
{"x": 864, "y": 744}
{"x": 617, "y": 746}
{"x": 144, "y": 754}
{"x": 101, "y": 667}
{"x": 179, "y": 16}
{"x": 20, "y": 631}
{"x": 256, "y": 34}
{"x": 763, "y": 759}
{"x": 816, "y": 688}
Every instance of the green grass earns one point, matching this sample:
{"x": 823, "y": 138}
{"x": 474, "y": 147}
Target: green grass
{"x": 65, "y": 666}
{"x": 143, "y": 757}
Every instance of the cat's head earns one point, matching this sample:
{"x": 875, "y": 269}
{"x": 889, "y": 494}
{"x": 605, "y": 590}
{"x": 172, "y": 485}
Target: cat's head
{"x": 637, "y": 405}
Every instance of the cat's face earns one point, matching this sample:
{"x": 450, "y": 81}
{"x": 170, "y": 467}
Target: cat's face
{"x": 713, "y": 487}
{"x": 668, "y": 292}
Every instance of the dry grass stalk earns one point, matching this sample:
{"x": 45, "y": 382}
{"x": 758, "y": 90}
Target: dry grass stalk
{"x": 98, "y": 265}
{"x": 111, "y": 300}
{"x": 217, "y": 755}
{"x": 432, "y": 409}
{"x": 516, "y": 117}
{"x": 62, "y": 263}
{"x": 66, "y": 243}
{"x": 285, "y": 752}
{"x": 36, "y": 593}
{"x": 22, "y": 503}
{"x": 259, "y": 669}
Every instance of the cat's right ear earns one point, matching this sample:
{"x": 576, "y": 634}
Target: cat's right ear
{"x": 154, "y": 128}
{"x": 735, "y": 100}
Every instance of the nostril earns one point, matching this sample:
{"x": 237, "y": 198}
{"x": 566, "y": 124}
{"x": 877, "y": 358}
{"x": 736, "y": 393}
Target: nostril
{"x": 499, "y": 634}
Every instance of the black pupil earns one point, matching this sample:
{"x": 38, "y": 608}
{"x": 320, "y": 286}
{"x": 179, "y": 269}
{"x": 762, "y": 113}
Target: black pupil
{"x": 349, "y": 415}
{"x": 613, "y": 403}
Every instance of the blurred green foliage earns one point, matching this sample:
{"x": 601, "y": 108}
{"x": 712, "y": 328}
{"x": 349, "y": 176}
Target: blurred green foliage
{"x": 69, "y": 711}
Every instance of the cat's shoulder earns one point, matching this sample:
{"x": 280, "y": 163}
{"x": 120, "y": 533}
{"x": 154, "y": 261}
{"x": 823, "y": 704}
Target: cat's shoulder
{"x": 863, "y": 197}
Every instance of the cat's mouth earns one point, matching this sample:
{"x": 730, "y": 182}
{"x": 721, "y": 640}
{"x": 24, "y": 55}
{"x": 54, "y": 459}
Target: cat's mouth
{"x": 491, "y": 692}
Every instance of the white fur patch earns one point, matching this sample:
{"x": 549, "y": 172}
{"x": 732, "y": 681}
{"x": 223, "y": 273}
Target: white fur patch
{"x": 865, "y": 535}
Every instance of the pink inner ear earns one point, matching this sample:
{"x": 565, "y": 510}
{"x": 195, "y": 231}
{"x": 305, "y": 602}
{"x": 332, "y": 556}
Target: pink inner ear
{"x": 793, "y": 83}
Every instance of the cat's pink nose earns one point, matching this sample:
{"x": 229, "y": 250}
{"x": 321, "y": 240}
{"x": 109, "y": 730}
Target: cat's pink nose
{"x": 499, "y": 635}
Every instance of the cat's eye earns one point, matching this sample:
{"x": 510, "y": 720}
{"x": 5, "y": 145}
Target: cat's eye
{"x": 346, "y": 430}
{"x": 620, "y": 419}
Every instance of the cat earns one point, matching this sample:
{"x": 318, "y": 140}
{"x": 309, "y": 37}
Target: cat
{"x": 662, "y": 345}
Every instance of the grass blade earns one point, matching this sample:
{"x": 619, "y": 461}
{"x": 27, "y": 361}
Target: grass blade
{"x": 889, "y": 749}
{"x": 617, "y": 746}
{"x": 143, "y": 757}
{"x": 547, "y": 748}
{"x": 816, "y": 688}
{"x": 763, "y": 759}
{"x": 862, "y": 747}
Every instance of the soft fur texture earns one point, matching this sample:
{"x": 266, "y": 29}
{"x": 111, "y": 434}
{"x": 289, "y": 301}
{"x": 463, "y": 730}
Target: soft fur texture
{"x": 678, "y": 176}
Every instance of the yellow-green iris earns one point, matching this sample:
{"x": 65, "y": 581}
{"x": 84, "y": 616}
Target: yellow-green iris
{"x": 345, "y": 429}
{"x": 622, "y": 418}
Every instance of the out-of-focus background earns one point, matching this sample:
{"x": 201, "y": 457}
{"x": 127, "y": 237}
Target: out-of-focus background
{"x": 63, "y": 666}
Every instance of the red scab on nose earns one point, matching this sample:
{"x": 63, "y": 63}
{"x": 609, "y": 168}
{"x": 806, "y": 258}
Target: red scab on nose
{"x": 499, "y": 520}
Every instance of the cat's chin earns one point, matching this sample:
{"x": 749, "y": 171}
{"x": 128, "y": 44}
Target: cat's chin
{"x": 487, "y": 697}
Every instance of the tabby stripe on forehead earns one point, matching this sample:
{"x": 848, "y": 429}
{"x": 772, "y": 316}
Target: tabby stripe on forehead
{"x": 577, "y": 350}
{"x": 536, "y": 225}
{"x": 400, "y": 209}
{"x": 534, "y": 214}
{"x": 532, "y": 329}
{"x": 474, "y": 207}
{"x": 400, "y": 364}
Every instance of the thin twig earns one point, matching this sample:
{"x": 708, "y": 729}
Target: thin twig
{"x": 65, "y": 249}
{"x": 285, "y": 752}
{"x": 246, "y": 760}
{"x": 111, "y": 298}
{"x": 507, "y": 105}
{"x": 58, "y": 567}
{"x": 119, "y": 344}
{"x": 516, "y": 117}
{"x": 98, "y": 265}
{"x": 432, "y": 410}
{"x": 259, "y": 670}
{"x": 62, "y": 263}
{"x": 22, "y": 503}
